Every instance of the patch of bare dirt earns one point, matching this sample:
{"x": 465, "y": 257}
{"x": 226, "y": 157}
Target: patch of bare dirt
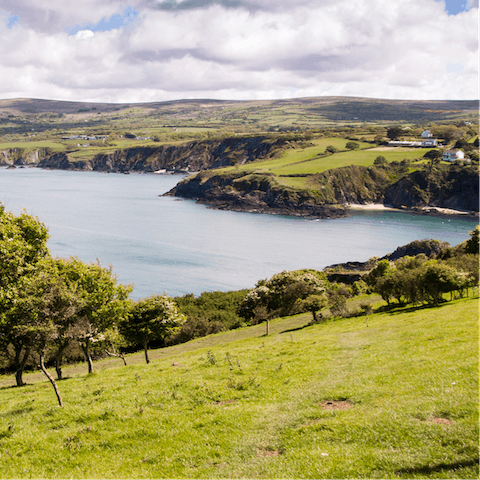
{"x": 268, "y": 453}
{"x": 444, "y": 421}
{"x": 336, "y": 404}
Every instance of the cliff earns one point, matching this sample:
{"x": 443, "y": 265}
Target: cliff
{"x": 261, "y": 193}
{"x": 189, "y": 157}
{"x": 450, "y": 186}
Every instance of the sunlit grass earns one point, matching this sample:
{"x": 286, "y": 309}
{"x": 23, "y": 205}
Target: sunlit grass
{"x": 29, "y": 146}
{"x": 254, "y": 407}
{"x": 342, "y": 159}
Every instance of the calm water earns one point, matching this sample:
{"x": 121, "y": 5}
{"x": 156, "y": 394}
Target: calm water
{"x": 162, "y": 244}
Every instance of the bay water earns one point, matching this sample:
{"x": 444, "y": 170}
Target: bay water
{"x": 164, "y": 244}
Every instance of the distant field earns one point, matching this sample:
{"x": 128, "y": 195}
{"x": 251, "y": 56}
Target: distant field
{"x": 342, "y": 159}
{"x": 30, "y": 146}
{"x": 396, "y": 399}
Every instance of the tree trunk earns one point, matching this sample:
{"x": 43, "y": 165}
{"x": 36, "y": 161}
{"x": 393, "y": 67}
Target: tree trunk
{"x": 314, "y": 313}
{"x": 20, "y": 364}
{"x": 52, "y": 380}
{"x": 119, "y": 355}
{"x": 268, "y": 327}
{"x": 58, "y": 361}
{"x": 146, "y": 352}
{"x": 86, "y": 351}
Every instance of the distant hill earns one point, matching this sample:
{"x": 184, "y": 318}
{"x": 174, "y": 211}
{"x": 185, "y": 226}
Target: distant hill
{"x": 298, "y": 111}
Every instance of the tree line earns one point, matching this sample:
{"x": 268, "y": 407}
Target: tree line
{"x": 47, "y": 303}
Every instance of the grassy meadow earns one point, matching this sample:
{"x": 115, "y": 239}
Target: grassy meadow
{"x": 396, "y": 399}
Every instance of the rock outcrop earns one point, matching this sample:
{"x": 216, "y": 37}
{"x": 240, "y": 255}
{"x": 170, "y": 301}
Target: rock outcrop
{"x": 259, "y": 193}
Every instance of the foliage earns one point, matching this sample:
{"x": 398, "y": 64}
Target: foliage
{"x": 150, "y": 319}
{"x": 472, "y": 243}
{"x": 394, "y": 133}
{"x": 23, "y": 245}
{"x": 380, "y": 160}
{"x": 433, "y": 154}
{"x": 211, "y": 312}
{"x": 331, "y": 149}
{"x": 352, "y": 145}
{"x": 418, "y": 280}
{"x": 314, "y": 304}
{"x": 280, "y": 295}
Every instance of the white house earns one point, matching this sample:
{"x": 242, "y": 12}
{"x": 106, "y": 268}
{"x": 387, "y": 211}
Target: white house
{"x": 452, "y": 155}
{"x": 430, "y": 143}
{"x": 426, "y": 134}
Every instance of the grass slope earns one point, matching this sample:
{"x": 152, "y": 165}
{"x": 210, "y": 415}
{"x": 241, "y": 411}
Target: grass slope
{"x": 398, "y": 399}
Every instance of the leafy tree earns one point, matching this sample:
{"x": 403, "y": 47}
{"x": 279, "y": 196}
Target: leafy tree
{"x": 337, "y": 303}
{"x": 23, "y": 244}
{"x": 352, "y": 146}
{"x": 315, "y": 303}
{"x": 433, "y": 154}
{"x": 103, "y": 303}
{"x": 472, "y": 243}
{"x": 280, "y": 294}
{"x": 47, "y": 305}
{"x": 331, "y": 149}
{"x": 150, "y": 319}
{"x": 475, "y": 142}
{"x": 440, "y": 278}
{"x": 394, "y": 133}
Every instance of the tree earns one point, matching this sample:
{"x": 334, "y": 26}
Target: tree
{"x": 367, "y": 308}
{"x": 315, "y": 303}
{"x": 337, "y": 303}
{"x": 352, "y": 146}
{"x": 48, "y": 305}
{"x": 331, "y": 149}
{"x": 23, "y": 244}
{"x": 280, "y": 294}
{"x": 394, "y": 133}
{"x": 151, "y": 319}
{"x": 475, "y": 142}
{"x": 433, "y": 154}
{"x": 472, "y": 243}
{"x": 103, "y": 303}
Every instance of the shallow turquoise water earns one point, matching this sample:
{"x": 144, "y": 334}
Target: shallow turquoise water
{"x": 166, "y": 244}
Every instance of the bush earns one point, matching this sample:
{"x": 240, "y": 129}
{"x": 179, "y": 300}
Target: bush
{"x": 331, "y": 149}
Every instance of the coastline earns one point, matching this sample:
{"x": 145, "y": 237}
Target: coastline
{"x": 434, "y": 211}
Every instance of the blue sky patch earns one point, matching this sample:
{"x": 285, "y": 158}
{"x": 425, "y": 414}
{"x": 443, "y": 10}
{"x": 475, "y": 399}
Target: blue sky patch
{"x": 125, "y": 19}
{"x": 13, "y": 20}
{"x": 452, "y": 7}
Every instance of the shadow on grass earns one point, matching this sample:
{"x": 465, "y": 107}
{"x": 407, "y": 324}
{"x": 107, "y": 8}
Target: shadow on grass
{"x": 397, "y": 309}
{"x": 426, "y": 469}
{"x": 296, "y": 329}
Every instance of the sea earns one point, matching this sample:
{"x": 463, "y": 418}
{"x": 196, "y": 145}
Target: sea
{"x": 176, "y": 246}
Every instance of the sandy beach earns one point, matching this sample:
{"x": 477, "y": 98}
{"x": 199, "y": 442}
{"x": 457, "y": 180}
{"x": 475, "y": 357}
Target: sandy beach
{"x": 419, "y": 210}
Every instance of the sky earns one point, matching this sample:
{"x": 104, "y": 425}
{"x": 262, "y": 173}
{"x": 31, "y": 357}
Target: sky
{"x": 158, "y": 50}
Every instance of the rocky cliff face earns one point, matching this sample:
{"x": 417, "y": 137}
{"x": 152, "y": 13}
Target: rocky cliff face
{"x": 190, "y": 157}
{"x": 19, "y": 156}
{"x": 330, "y": 191}
{"x": 254, "y": 193}
{"x": 454, "y": 187}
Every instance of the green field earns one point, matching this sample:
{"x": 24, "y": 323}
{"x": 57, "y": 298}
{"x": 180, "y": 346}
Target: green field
{"x": 30, "y": 146}
{"x": 398, "y": 399}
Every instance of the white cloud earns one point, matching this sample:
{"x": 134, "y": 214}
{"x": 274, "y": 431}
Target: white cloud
{"x": 341, "y": 47}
